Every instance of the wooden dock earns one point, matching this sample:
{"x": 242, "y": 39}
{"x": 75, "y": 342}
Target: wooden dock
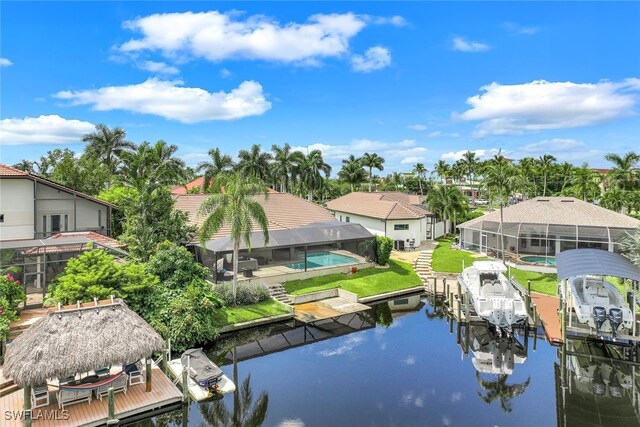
{"x": 136, "y": 401}
{"x": 548, "y": 306}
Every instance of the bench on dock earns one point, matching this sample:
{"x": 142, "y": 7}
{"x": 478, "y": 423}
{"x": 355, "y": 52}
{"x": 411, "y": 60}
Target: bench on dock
{"x": 119, "y": 384}
{"x": 69, "y": 397}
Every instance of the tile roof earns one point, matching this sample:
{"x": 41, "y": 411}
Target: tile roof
{"x": 91, "y": 235}
{"x": 198, "y": 182}
{"x": 384, "y": 205}
{"x": 557, "y": 211}
{"x": 72, "y": 245}
{"x": 283, "y": 210}
{"x": 8, "y": 172}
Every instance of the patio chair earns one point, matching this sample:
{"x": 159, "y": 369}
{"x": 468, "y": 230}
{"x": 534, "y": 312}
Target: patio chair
{"x": 40, "y": 396}
{"x": 135, "y": 373}
{"x": 221, "y": 272}
{"x": 119, "y": 384}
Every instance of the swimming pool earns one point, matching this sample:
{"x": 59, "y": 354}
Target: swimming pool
{"x": 321, "y": 259}
{"x": 549, "y": 260}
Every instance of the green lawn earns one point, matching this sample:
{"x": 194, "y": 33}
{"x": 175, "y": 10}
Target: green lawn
{"x": 244, "y": 313}
{"x": 447, "y": 260}
{"x": 365, "y": 282}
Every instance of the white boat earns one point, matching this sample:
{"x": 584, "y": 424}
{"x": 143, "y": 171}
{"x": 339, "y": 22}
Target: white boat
{"x": 494, "y": 354}
{"x": 493, "y": 297}
{"x": 599, "y": 304}
{"x": 205, "y": 379}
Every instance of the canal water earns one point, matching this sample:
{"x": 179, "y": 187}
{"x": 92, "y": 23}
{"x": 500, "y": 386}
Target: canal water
{"x": 403, "y": 363}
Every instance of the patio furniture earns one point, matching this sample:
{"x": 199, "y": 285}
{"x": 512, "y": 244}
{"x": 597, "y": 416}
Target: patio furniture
{"x": 103, "y": 372}
{"x": 40, "y": 396}
{"x": 135, "y": 374}
{"x": 119, "y": 384}
{"x": 70, "y": 397}
{"x": 247, "y": 272}
{"x": 221, "y": 272}
{"x": 250, "y": 263}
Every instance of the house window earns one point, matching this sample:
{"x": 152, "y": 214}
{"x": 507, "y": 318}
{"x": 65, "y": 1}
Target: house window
{"x": 398, "y": 227}
{"x": 44, "y": 223}
{"x": 347, "y": 219}
{"x": 55, "y": 223}
{"x": 1, "y": 217}
{"x": 66, "y": 223}
{"x": 99, "y": 218}
{"x": 340, "y": 217}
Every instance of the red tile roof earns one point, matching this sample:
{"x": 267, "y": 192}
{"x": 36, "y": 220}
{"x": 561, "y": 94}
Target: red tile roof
{"x": 385, "y": 205}
{"x": 11, "y": 171}
{"x": 180, "y": 190}
{"x": 91, "y": 235}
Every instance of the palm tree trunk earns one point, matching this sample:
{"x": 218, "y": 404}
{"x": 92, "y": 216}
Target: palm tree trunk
{"x": 236, "y": 394}
{"x": 544, "y": 188}
{"x": 420, "y": 182}
{"x": 501, "y": 232}
{"x": 370, "y": 173}
{"x": 236, "y": 251}
{"x": 310, "y": 195}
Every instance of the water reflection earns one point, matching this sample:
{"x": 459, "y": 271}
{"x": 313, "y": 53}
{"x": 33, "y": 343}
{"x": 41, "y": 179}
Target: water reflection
{"x": 596, "y": 384}
{"x": 243, "y": 414}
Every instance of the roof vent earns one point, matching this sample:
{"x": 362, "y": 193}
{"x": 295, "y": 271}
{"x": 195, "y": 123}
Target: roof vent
{"x": 543, "y": 200}
{"x": 567, "y": 200}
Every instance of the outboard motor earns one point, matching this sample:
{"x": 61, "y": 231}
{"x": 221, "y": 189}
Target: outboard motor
{"x": 615, "y": 318}
{"x": 597, "y": 384}
{"x": 599, "y": 317}
{"x": 615, "y": 388}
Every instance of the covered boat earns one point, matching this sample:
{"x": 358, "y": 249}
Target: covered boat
{"x": 493, "y": 296}
{"x": 205, "y": 378}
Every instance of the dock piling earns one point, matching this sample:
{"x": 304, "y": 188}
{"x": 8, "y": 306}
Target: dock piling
{"x": 148, "y": 373}
{"x": 27, "y": 406}
{"x": 185, "y": 385}
{"x": 112, "y": 408}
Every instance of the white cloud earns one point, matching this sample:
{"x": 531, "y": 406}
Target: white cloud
{"x": 397, "y": 21}
{"x": 553, "y": 145}
{"x": 518, "y": 29}
{"x": 440, "y": 134}
{"x": 411, "y": 160}
{"x": 51, "y": 129}
{"x": 171, "y": 100}
{"x": 225, "y": 73}
{"x": 462, "y": 45}
{"x": 216, "y": 36}
{"x": 348, "y": 344}
{"x": 482, "y": 154}
{"x": 456, "y": 397}
{"x": 291, "y": 422}
{"x": 4, "y": 62}
{"x": 158, "y": 67}
{"x": 540, "y": 105}
{"x": 409, "y": 361}
{"x": 409, "y": 398}
{"x": 375, "y": 58}
{"x": 418, "y": 127}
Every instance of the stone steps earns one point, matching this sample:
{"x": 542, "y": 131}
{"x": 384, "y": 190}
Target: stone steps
{"x": 278, "y": 293}
{"x": 422, "y": 266}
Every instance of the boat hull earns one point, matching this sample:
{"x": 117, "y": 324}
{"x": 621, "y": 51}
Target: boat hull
{"x": 197, "y": 393}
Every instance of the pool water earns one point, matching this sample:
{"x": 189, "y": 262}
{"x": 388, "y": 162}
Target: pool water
{"x": 321, "y": 259}
{"x": 539, "y": 260}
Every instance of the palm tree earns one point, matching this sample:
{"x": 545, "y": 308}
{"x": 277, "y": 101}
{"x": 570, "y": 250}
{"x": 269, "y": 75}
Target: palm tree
{"x": 352, "y": 172}
{"x": 443, "y": 170}
{"x": 527, "y": 165}
{"x": 499, "y": 389}
{"x": 624, "y": 173}
{"x": 420, "y": 171}
{"x": 397, "y": 179}
{"x": 545, "y": 164}
{"x": 254, "y": 163}
{"x": 107, "y": 145}
{"x": 566, "y": 171}
{"x": 24, "y": 165}
{"x": 470, "y": 162}
{"x": 238, "y": 210}
{"x": 499, "y": 179}
{"x": 585, "y": 183}
{"x": 311, "y": 168}
{"x": 372, "y": 161}
{"x": 220, "y": 164}
{"x": 216, "y": 414}
{"x": 285, "y": 164}
{"x": 614, "y": 199}
{"x": 447, "y": 201}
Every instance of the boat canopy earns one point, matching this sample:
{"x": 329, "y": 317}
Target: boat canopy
{"x": 490, "y": 266}
{"x": 578, "y": 262}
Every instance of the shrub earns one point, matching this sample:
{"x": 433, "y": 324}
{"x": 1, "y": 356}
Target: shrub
{"x": 384, "y": 245}
{"x": 469, "y": 215}
{"x": 245, "y": 294}
{"x": 175, "y": 266}
{"x": 11, "y": 293}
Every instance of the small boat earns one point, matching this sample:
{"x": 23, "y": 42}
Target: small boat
{"x": 599, "y": 304}
{"x": 493, "y": 296}
{"x": 205, "y": 379}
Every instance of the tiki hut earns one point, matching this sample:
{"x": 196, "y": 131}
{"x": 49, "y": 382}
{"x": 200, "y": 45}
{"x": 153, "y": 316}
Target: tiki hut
{"x": 79, "y": 339}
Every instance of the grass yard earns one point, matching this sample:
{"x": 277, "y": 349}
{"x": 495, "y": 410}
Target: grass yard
{"x": 447, "y": 260}
{"x": 244, "y": 313}
{"x": 365, "y": 282}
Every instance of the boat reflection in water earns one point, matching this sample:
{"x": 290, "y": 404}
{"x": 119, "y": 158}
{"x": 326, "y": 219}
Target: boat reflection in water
{"x": 597, "y": 385}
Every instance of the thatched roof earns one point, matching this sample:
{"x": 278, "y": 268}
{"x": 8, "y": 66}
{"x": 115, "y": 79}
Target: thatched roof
{"x": 75, "y": 340}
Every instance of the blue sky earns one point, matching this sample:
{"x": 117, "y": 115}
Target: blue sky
{"x": 413, "y": 81}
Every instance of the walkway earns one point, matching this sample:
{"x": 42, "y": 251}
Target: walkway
{"x": 548, "y": 306}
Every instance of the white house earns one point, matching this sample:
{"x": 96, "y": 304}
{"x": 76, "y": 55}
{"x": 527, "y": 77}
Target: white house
{"x": 393, "y": 214}
{"x": 32, "y": 207}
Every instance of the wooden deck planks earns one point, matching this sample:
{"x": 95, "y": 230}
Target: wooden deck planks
{"x": 547, "y": 306}
{"x": 136, "y": 401}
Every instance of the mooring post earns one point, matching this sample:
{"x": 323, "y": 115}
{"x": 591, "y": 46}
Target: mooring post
{"x": 528, "y": 298}
{"x": 27, "y": 405}
{"x": 563, "y": 318}
{"x": 435, "y": 286}
{"x": 185, "y": 385}
{"x": 112, "y": 407}
{"x": 163, "y": 363}
{"x": 460, "y": 302}
{"x": 148, "y": 373}
{"x": 445, "y": 287}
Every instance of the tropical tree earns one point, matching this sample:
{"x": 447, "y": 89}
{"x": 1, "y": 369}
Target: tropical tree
{"x": 630, "y": 246}
{"x": 311, "y": 168}
{"x": 284, "y": 166}
{"x": 254, "y": 163}
{"x": 372, "y": 161}
{"x": 614, "y": 199}
{"x": 218, "y": 165}
{"x": 566, "y": 172}
{"x": 107, "y": 146}
{"x": 499, "y": 179}
{"x": 420, "y": 172}
{"x": 500, "y": 390}
{"x": 245, "y": 413}
{"x": 624, "y": 173}
{"x": 443, "y": 170}
{"x": 528, "y": 169}
{"x": 25, "y": 165}
{"x": 237, "y": 209}
{"x": 545, "y": 165}
{"x": 470, "y": 163}
{"x": 397, "y": 179}
{"x": 585, "y": 183}
{"x": 352, "y": 172}
{"x": 448, "y": 202}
